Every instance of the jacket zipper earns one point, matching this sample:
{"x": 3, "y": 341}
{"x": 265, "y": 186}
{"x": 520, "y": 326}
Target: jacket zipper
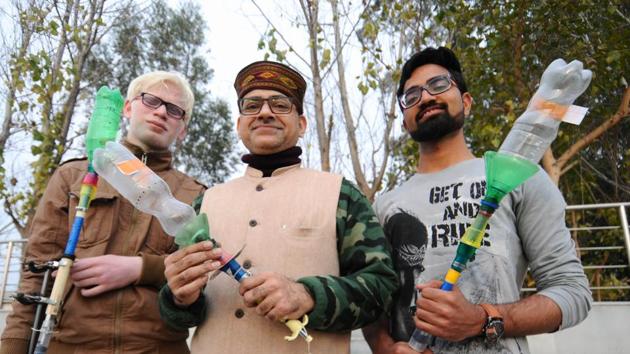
{"x": 118, "y": 309}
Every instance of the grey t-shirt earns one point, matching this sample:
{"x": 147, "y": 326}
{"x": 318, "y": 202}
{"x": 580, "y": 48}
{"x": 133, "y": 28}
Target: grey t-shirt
{"x": 425, "y": 218}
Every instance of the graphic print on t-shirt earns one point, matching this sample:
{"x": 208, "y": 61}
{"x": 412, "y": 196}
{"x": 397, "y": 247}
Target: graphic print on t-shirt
{"x": 457, "y": 204}
{"x": 449, "y": 210}
{"x": 408, "y": 237}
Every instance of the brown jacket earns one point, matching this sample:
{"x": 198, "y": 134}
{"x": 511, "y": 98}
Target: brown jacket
{"x": 126, "y": 320}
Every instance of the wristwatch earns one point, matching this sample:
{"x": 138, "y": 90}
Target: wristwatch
{"x": 493, "y": 329}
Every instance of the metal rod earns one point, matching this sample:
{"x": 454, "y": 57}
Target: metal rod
{"x": 626, "y": 232}
{"x": 591, "y": 228}
{"x": 5, "y": 271}
{"x": 603, "y": 248}
{"x": 39, "y": 313}
{"x": 597, "y": 206}
{"x": 615, "y": 266}
{"x": 619, "y": 287}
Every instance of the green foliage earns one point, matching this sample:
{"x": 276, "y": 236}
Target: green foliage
{"x": 504, "y": 46}
{"x": 46, "y": 68}
{"x": 162, "y": 38}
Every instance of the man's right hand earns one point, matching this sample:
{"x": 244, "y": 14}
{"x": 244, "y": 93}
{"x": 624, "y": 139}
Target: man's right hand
{"x": 187, "y": 271}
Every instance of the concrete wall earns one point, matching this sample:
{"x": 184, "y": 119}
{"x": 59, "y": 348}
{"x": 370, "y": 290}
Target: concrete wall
{"x": 606, "y": 330}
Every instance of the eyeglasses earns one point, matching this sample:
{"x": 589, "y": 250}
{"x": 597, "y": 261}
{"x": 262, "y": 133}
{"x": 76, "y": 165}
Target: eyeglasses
{"x": 253, "y": 105}
{"x": 172, "y": 110}
{"x": 434, "y": 86}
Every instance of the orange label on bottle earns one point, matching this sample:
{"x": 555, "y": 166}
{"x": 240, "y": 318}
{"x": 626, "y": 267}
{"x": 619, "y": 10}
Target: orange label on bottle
{"x": 130, "y": 167}
{"x": 557, "y": 111}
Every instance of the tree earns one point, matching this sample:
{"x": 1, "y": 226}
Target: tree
{"x": 344, "y": 96}
{"x": 63, "y": 52}
{"x": 503, "y": 56}
{"x": 505, "y": 46}
{"x": 161, "y": 38}
{"x": 43, "y": 80}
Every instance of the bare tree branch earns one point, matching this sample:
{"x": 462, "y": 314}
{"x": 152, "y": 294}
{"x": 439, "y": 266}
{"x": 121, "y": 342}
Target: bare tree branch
{"x": 622, "y": 112}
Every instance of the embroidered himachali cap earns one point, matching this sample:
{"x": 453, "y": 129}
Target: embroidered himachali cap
{"x": 271, "y": 76}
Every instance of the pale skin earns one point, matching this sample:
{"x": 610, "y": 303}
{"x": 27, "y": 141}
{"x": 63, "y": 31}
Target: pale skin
{"x": 272, "y": 295}
{"x": 442, "y": 313}
{"x": 152, "y": 130}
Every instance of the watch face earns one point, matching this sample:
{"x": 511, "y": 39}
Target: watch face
{"x": 494, "y": 330}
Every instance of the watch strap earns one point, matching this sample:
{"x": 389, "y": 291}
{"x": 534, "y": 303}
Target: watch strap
{"x": 493, "y": 328}
{"x": 491, "y": 311}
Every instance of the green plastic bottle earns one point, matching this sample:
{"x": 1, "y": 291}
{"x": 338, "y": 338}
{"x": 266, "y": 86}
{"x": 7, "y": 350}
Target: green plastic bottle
{"x": 105, "y": 120}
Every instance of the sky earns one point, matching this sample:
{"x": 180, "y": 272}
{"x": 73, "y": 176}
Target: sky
{"x": 234, "y": 29}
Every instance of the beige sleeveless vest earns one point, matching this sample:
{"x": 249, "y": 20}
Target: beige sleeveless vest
{"x": 287, "y": 222}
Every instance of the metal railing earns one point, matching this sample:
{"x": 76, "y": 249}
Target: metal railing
{"x": 11, "y": 267}
{"x": 623, "y": 263}
{"x": 11, "y": 251}
{"x": 623, "y": 225}
{"x": 621, "y": 233}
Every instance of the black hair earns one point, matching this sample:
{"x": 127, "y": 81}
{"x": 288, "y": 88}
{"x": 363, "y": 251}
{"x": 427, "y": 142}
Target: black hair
{"x": 441, "y": 56}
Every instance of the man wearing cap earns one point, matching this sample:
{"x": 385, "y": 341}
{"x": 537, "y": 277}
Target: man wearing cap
{"x": 426, "y": 216}
{"x": 312, "y": 241}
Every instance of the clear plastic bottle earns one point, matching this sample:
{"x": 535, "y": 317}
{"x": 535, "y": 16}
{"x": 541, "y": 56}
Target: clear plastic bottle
{"x": 530, "y": 136}
{"x": 141, "y": 186}
{"x": 534, "y": 131}
{"x": 105, "y": 119}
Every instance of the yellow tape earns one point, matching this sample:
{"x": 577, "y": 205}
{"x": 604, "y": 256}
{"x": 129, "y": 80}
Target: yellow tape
{"x": 452, "y": 275}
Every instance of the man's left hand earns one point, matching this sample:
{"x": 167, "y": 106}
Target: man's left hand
{"x": 447, "y": 314}
{"x": 96, "y": 275}
{"x": 276, "y": 296}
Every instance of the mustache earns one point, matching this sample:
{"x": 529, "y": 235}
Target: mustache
{"x": 423, "y": 108}
{"x": 256, "y": 126}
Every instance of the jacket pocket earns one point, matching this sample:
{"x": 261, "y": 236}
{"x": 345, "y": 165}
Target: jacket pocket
{"x": 311, "y": 248}
{"x": 158, "y": 242}
{"x": 99, "y": 220}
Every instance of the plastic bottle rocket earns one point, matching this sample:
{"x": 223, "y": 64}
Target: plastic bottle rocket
{"x": 103, "y": 126}
{"x": 534, "y": 131}
{"x": 537, "y": 127}
{"x": 141, "y": 186}
{"x": 150, "y": 194}
{"x": 105, "y": 119}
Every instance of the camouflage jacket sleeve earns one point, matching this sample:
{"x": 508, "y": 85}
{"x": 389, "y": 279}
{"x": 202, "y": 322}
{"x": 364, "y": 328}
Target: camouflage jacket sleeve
{"x": 363, "y": 291}
{"x": 175, "y": 317}
{"x": 178, "y": 318}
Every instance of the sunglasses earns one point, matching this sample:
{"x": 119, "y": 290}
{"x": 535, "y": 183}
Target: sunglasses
{"x": 172, "y": 110}
{"x": 434, "y": 86}
{"x": 253, "y": 105}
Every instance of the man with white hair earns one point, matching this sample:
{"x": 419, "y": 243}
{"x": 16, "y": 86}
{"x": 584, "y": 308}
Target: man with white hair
{"x": 111, "y": 303}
